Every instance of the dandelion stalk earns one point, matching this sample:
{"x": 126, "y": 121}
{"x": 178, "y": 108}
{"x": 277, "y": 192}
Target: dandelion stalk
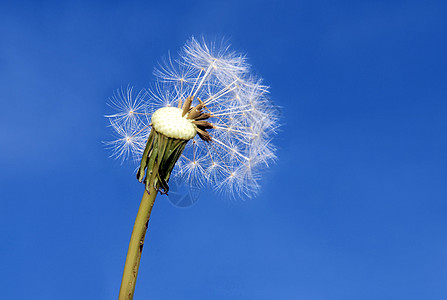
{"x": 213, "y": 127}
{"x": 136, "y": 246}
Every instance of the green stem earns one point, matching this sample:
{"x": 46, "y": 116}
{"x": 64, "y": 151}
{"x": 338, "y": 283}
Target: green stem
{"x": 136, "y": 245}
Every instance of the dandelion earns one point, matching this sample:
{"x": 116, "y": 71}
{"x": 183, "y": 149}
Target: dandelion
{"x": 206, "y": 121}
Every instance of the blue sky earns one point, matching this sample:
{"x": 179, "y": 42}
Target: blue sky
{"x": 355, "y": 208}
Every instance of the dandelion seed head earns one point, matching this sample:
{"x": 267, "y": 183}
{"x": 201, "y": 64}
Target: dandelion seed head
{"x": 169, "y": 121}
{"x": 208, "y": 96}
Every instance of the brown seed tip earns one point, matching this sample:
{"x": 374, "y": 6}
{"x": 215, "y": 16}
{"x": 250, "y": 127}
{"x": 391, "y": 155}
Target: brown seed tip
{"x": 187, "y": 105}
{"x": 204, "y": 135}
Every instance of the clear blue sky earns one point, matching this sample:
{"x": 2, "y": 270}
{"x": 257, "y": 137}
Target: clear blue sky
{"x": 354, "y": 209}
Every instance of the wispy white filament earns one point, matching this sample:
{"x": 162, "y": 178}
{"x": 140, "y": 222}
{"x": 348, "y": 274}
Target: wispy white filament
{"x": 244, "y": 119}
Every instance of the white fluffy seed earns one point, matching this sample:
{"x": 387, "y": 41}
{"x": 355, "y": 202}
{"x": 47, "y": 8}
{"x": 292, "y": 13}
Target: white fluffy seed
{"x": 169, "y": 121}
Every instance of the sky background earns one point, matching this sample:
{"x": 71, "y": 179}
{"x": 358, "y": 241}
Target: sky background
{"x": 355, "y": 207}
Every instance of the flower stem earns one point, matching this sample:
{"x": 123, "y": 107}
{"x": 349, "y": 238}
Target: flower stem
{"x": 136, "y": 245}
